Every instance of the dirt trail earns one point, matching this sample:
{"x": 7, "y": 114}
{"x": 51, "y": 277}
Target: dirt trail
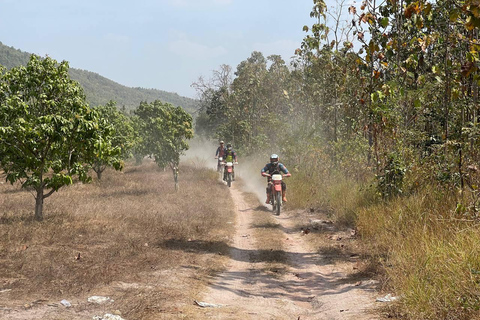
{"x": 309, "y": 289}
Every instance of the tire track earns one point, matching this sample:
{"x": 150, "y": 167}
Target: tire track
{"x": 310, "y": 289}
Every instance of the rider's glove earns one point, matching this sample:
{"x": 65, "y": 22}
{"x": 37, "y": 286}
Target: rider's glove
{"x": 288, "y": 175}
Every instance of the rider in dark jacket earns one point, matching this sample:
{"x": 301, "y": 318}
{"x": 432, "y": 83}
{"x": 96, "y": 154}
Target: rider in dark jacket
{"x": 275, "y": 167}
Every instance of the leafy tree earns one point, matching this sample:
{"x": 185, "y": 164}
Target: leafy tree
{"x": 117, "y": 138}
{"x": 248, "y": 111}
{"x": 165, "y": 131}
{"x": 139, "y": 149}
{"x": 48, "y": 134}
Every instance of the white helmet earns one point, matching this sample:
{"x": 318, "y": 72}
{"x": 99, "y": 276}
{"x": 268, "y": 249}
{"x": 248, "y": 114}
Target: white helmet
{"x": 274, "y": 158}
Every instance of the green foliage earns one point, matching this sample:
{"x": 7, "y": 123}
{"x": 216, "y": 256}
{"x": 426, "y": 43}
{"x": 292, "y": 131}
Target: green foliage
{"x": 165, "y": 130}
{"x": 48, "y": 134}
{"x": 390, "y": 182}
{"x": 248, "y": 112}
{"x": 117, "y": 138}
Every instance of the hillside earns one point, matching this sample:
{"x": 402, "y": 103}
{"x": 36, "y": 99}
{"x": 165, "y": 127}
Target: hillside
{"x": 99, "y": 90}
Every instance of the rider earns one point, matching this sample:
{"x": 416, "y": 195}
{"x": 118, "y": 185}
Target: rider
{"x": 230, "y": 156}
{"x": 220, "y": 153}
{"x": 271, "y": 168}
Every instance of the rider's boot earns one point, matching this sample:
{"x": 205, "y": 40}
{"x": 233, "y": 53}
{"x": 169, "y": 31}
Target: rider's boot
{"x": 233, "y": 176}
{"x": 284, "y": 196}
{"x": 268, "y": 198}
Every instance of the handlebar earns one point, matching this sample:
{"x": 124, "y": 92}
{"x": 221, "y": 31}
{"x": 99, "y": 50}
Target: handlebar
{"x": 283, "y": 174}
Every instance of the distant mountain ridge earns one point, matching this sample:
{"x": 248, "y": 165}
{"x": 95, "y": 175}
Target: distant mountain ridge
{"x": 99, "y": 90}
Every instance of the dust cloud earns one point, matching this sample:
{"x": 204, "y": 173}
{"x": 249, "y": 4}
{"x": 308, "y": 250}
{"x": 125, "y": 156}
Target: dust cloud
{"x": 249, "y": 171}
{"x": 202, "y": 154}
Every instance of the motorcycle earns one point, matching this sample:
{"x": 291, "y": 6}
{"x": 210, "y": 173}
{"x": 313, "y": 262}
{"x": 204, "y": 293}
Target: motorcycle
{"x": 275, "y": 186}
{"x": 220, "y": 167}
{"x": 228, "y": 167}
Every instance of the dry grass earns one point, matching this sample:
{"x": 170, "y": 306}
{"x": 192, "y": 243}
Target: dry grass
{"x": 118, "y": 229}
{"x": 418, "y": 246}
{"x": 431, "y": 257}
{"x": 337, "y": 196}
{"x": 422, "y": 248}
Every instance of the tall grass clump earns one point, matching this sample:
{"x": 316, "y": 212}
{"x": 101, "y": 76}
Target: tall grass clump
{"x": 430, "y": 254}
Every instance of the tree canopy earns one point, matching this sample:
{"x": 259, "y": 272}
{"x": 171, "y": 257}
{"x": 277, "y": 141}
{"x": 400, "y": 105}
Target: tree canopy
{"x": 165, "y": 130}
{"x": 48, "y": 134}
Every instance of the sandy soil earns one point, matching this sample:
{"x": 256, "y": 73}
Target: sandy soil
{"x": 310, "y": 289}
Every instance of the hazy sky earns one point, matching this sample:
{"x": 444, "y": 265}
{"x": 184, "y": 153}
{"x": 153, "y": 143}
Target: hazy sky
{"x": 161, "y": 44}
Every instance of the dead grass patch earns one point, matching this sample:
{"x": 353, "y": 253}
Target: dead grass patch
{"x": 117, "y": 229}
{"x": 430, "y": 255}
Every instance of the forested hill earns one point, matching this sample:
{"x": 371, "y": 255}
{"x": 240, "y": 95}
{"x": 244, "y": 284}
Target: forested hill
{"x": 99, "y": 90}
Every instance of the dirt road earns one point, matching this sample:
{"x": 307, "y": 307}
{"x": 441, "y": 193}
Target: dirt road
{"x": 309, "y": 288}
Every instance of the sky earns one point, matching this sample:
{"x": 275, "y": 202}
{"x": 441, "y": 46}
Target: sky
{"x": 160, "y": 44}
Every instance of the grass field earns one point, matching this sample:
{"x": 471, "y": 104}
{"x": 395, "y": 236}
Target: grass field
{"x": 129, "y": 224}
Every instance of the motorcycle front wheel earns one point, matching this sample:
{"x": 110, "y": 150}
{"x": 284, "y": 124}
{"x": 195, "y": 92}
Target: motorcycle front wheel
{"x": 229, "y": 179}
{"x": 278, "y": 203}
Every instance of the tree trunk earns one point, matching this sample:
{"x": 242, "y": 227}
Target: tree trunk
{"x": 99, "y": 168}
{"x": 174, "y": 168}
{"x": 138, "y": 159}
{"x": 447, "y": 95}
{"x": 39, "y": 205}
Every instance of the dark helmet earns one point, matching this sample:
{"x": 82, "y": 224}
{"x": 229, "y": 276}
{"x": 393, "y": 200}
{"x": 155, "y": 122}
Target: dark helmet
{"x": 274, "y": 159}
{"x": 229, "y": 146}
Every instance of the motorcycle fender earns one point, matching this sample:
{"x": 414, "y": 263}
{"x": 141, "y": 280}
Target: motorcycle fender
{"x": 278, "y": 187}
{"x": 229, "y": 169}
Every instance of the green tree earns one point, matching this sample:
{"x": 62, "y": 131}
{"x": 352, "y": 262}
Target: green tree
{"x": 117, "y": 138}
{"x": 48, "y": 134}
{"x": 165, "y": 131}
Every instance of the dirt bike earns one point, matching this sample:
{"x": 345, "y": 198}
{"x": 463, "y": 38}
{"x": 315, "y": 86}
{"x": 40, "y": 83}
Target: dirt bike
{"x": 220, "y": 167}
{"x": 275, "y": 186}
{"x": 228, "y": 166}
